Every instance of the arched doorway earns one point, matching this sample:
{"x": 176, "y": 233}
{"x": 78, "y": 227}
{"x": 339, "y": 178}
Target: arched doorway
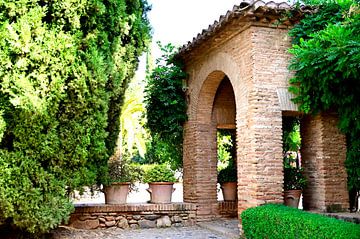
{"x": 224, "y": 114}
{"x": 216, "y": 109}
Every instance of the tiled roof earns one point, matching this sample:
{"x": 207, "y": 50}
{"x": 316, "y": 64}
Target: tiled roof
{"x": 261, "y": 11}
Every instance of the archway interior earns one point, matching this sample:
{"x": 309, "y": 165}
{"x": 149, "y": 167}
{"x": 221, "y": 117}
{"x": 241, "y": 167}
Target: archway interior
{"x": 223, "y": 114}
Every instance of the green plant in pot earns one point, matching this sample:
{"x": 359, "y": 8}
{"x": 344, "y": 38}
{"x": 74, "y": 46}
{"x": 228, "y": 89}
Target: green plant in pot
{"x": 160, "y": 178}
{"x": 227, "y": 177}
{"x": 121, "y": 179}
{"x": 294, "y": 183}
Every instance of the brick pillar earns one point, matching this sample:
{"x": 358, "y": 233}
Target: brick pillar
{"x": 200, "y": 173}
{"x": 323, "y": 154}
{"x": 259, "y": 152}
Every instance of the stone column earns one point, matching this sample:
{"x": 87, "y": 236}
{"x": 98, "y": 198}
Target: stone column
{"x": 323, "y": 154}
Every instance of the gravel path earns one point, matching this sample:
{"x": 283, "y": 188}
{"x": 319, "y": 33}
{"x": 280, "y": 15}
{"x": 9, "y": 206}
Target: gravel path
{"x": 194, "y": 232}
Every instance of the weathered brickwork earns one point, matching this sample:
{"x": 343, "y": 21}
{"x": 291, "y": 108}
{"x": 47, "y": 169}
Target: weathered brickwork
{"x": 133, "y": 216}
{"x": 254, "y": 57}
{"x": 227, "y": 209}
{"x": 258, "y": 115}
{"x": 323, "y": 154}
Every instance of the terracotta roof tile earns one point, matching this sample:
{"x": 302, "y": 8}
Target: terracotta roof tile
{"x": 258, "y": 10}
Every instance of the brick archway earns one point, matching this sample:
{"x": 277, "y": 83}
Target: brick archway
{"x": 252, "y": 52}
{"x": 200, "y": 157}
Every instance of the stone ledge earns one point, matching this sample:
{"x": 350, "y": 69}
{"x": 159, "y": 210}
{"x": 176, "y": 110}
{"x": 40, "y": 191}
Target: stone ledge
{"x": 93, "y": 216}
{"x": 136, "y": 207}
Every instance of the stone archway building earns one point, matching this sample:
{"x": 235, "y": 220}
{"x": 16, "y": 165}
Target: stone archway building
{"x": 246, "y": 53}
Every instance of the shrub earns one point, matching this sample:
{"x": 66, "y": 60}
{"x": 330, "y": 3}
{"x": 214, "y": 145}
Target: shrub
{"x": 278, "y": 221}
{"x": 64, "y": 67}
{"x": 158, "y": 173}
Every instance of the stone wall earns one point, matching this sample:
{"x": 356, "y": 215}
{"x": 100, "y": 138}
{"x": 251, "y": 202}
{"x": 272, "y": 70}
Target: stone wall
{"x": 133, "y": 215}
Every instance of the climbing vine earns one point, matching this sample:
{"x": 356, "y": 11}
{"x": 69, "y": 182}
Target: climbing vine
{"x": 326, "y": 61}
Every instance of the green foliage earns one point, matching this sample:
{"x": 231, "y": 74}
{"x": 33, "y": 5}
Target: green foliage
{"x": 291, "y": 134}
{"x": 225, "y": 147}
{"x": 164, "y": 150}
{"x": 158, "y": 173}
{"x": 227, "y": 169}
{"x": 326, "y": 60}
{"x": 133, "y": 136}
{"x": 294, "y": 178}
{"x": 228, "y": 174}
{"x": 64, "y": 67}
{"x": 281, "y": 222}
{"x": 123, "y": 171}
{"x": 293, "y": 174}
{"x": 166, "y": 106}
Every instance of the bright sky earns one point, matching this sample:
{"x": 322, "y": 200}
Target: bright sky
{"x": 178, "y": 21}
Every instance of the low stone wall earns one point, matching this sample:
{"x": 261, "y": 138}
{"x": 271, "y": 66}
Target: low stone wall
{"x": 133, "y": 215}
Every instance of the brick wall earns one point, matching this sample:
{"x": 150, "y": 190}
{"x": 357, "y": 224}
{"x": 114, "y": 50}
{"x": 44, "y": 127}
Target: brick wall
{"x": 255, "y": 67}
{"x": 323, "y": 154}
{"x": 255, "y": 60}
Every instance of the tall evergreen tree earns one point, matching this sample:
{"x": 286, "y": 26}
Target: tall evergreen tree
{"x": 64, "y": 67}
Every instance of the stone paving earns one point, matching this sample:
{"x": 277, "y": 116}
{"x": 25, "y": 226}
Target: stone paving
{"x": 194, "y": 232}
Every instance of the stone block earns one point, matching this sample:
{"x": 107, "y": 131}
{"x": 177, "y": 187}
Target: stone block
{"x": 147, "y": 224}
{"x": 87, "y": 225}
{"x": 110, "y": 218}
{"x": 176, "y": 218}
{"x": 110, "y": 223}
{"x": 163, "y": 222}
{"x": 152, "y": 217}
{"x": 134, "y": 226}
{"x": 122, "y": 223}
{"x": 132, "y": 221}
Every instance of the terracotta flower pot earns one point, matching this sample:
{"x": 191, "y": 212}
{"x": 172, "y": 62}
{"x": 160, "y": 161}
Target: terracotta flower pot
{"x": 292, "y": 198}
{"x": 160, "y": 192}
{"x": 229, "y": 190}
{"x": 116, "y": 193}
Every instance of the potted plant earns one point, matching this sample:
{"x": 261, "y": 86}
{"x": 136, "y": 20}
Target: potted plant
{"x": 121, "y": 179}
{"x": 294, "y": 183}
{"x": 161, "y": 181}
{"x": 227, "y": 177}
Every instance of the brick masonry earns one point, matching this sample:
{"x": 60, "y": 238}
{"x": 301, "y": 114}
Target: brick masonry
{"x": 255, "y": 60}
{"x": 323, "y": 154}
{"x": 133, "y": 216}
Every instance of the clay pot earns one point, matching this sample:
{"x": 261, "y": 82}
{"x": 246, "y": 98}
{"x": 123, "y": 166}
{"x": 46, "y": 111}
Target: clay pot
{"x": 229, "y": 190}
{"x": 292, "y": 198}
{"x": 160, "y": 192}
{"x": 116, "y": 193}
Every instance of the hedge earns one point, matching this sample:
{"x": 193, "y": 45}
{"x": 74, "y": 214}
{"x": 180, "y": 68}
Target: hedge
{"x": 279, "y": 221}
